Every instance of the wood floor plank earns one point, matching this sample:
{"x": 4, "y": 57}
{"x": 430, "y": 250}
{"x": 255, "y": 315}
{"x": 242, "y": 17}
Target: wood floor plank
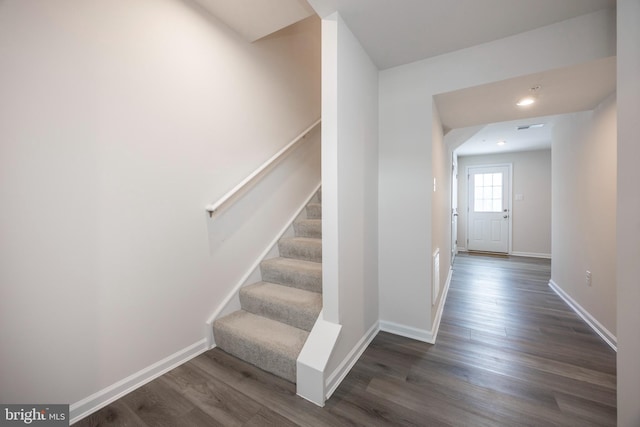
{"x": 363, "y": 408}
{"x": 275, "y": 393}
{"x": 159, "y": 405}
{"x": 508, "y": 356}
{"x": 116, "y": 414}
{"x": 543, "y": 379}
{"x": 565, "y": 352}
{"x": 432, "y": 369}
{"x": 509, "y": 352}
{"x": 220, "y": 401}
{"x": 196, "y": 418}
{"x": 487, "y": 400}
{"x": 268, "y": 418}
{"x": 427, "y": 401}
{"x": 587, "y": 411}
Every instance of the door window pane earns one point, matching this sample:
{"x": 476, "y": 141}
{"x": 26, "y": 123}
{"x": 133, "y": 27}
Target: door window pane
{"x": 488, "y": 192}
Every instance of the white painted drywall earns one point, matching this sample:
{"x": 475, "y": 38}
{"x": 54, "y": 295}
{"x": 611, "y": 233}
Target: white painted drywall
{"x": 405, "y": 193}
{"x": 584, "y": 209}
{"x": 405, "y": 201}
{"x": 350, "y": 168}
{"x": 628, "y": 213}
{"x": 441, "y": 206}
{"x": 330, "y": 232}
{"x": 531, "y": 216}
{"x": 119, "y": 122}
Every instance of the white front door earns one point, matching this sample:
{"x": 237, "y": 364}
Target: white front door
{"x": 489, "y": 208}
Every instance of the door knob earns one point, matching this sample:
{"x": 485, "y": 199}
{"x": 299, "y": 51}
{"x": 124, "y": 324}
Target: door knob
{"x": 506, "y": 216}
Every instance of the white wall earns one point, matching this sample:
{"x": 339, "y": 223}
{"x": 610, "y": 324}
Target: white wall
{"x": 406, "y": 92}
{"x": 119, "y": 122}
{"x": 531, "y": 217}
{"x": 628, "y": 213}
{"x": 441, "y": 206}
{"x": 405, "y": 202}
{"x": 584, "y": 209}
{"x": 349, "y": 171}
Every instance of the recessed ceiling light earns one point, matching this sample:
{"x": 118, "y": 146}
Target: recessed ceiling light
{"x": 502, "y": 142}
{"x": 529, "y": 99}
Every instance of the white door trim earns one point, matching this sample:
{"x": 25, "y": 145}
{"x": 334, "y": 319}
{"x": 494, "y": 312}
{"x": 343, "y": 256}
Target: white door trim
{"x": 510, "y": 204}
{"x": 454, "y": 205}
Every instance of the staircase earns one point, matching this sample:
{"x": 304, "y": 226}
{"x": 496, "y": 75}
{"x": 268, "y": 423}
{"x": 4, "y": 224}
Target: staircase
{"x": 277, "y": 313}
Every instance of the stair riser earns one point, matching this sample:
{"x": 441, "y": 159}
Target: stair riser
{"x": 307, "y": 252}
{"x": 261, "y": 357}
{"x": 314, "y": 211}
{"x": 295, "y": 316}
{"x": 308, "y": 229}
{"x": 305, "y": 280}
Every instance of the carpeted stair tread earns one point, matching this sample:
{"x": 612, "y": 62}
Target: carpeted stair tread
{"x": 308, "y": 228}
{"x": 270, "y": 345}
{"x": 314, "y": 211}
{"x": 297, "y": 273}
{"x": 305, "y": 248}
{"x": 292, "y": 306}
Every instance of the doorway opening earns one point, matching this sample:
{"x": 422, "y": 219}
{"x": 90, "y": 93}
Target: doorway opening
{"x": 489, "y": 208}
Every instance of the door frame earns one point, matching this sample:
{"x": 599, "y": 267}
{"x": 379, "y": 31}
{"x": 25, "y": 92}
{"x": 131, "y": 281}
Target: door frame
{"x": 509, "y": 166}
{"x": 454, "y": 204}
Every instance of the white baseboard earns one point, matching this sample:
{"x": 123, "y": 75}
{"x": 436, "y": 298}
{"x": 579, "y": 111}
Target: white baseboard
{"x": 407, "y": 331}
{"x": 336, "y": 377}
{"x": 517, "y": 253}
{"x": 428, "y": 336}
{"x": 531, "y": 254}
{"x": 604, "y": 333}
{"x": 102, "y": 398}
{"x": 443, "y": 300}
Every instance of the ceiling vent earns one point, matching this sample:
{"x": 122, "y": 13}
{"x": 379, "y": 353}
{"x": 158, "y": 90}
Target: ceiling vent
{"x": 525, "y": 127}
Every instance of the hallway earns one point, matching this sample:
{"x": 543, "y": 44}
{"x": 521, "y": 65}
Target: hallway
{"x": 509, "y": 352}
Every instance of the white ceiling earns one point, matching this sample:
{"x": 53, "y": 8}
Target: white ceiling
{"x": 485, "y": 140}
{"x": 254, "y": 19}
{"x": 566, "y": 90}
{"x": 396, "y": 32}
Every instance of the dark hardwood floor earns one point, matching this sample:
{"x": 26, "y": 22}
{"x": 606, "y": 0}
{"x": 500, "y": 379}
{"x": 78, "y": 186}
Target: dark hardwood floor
{"x": 509, "y": 353}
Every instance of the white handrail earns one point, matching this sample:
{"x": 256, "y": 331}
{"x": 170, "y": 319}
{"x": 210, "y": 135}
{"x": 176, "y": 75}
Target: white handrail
{"x": 212, "y": 208}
